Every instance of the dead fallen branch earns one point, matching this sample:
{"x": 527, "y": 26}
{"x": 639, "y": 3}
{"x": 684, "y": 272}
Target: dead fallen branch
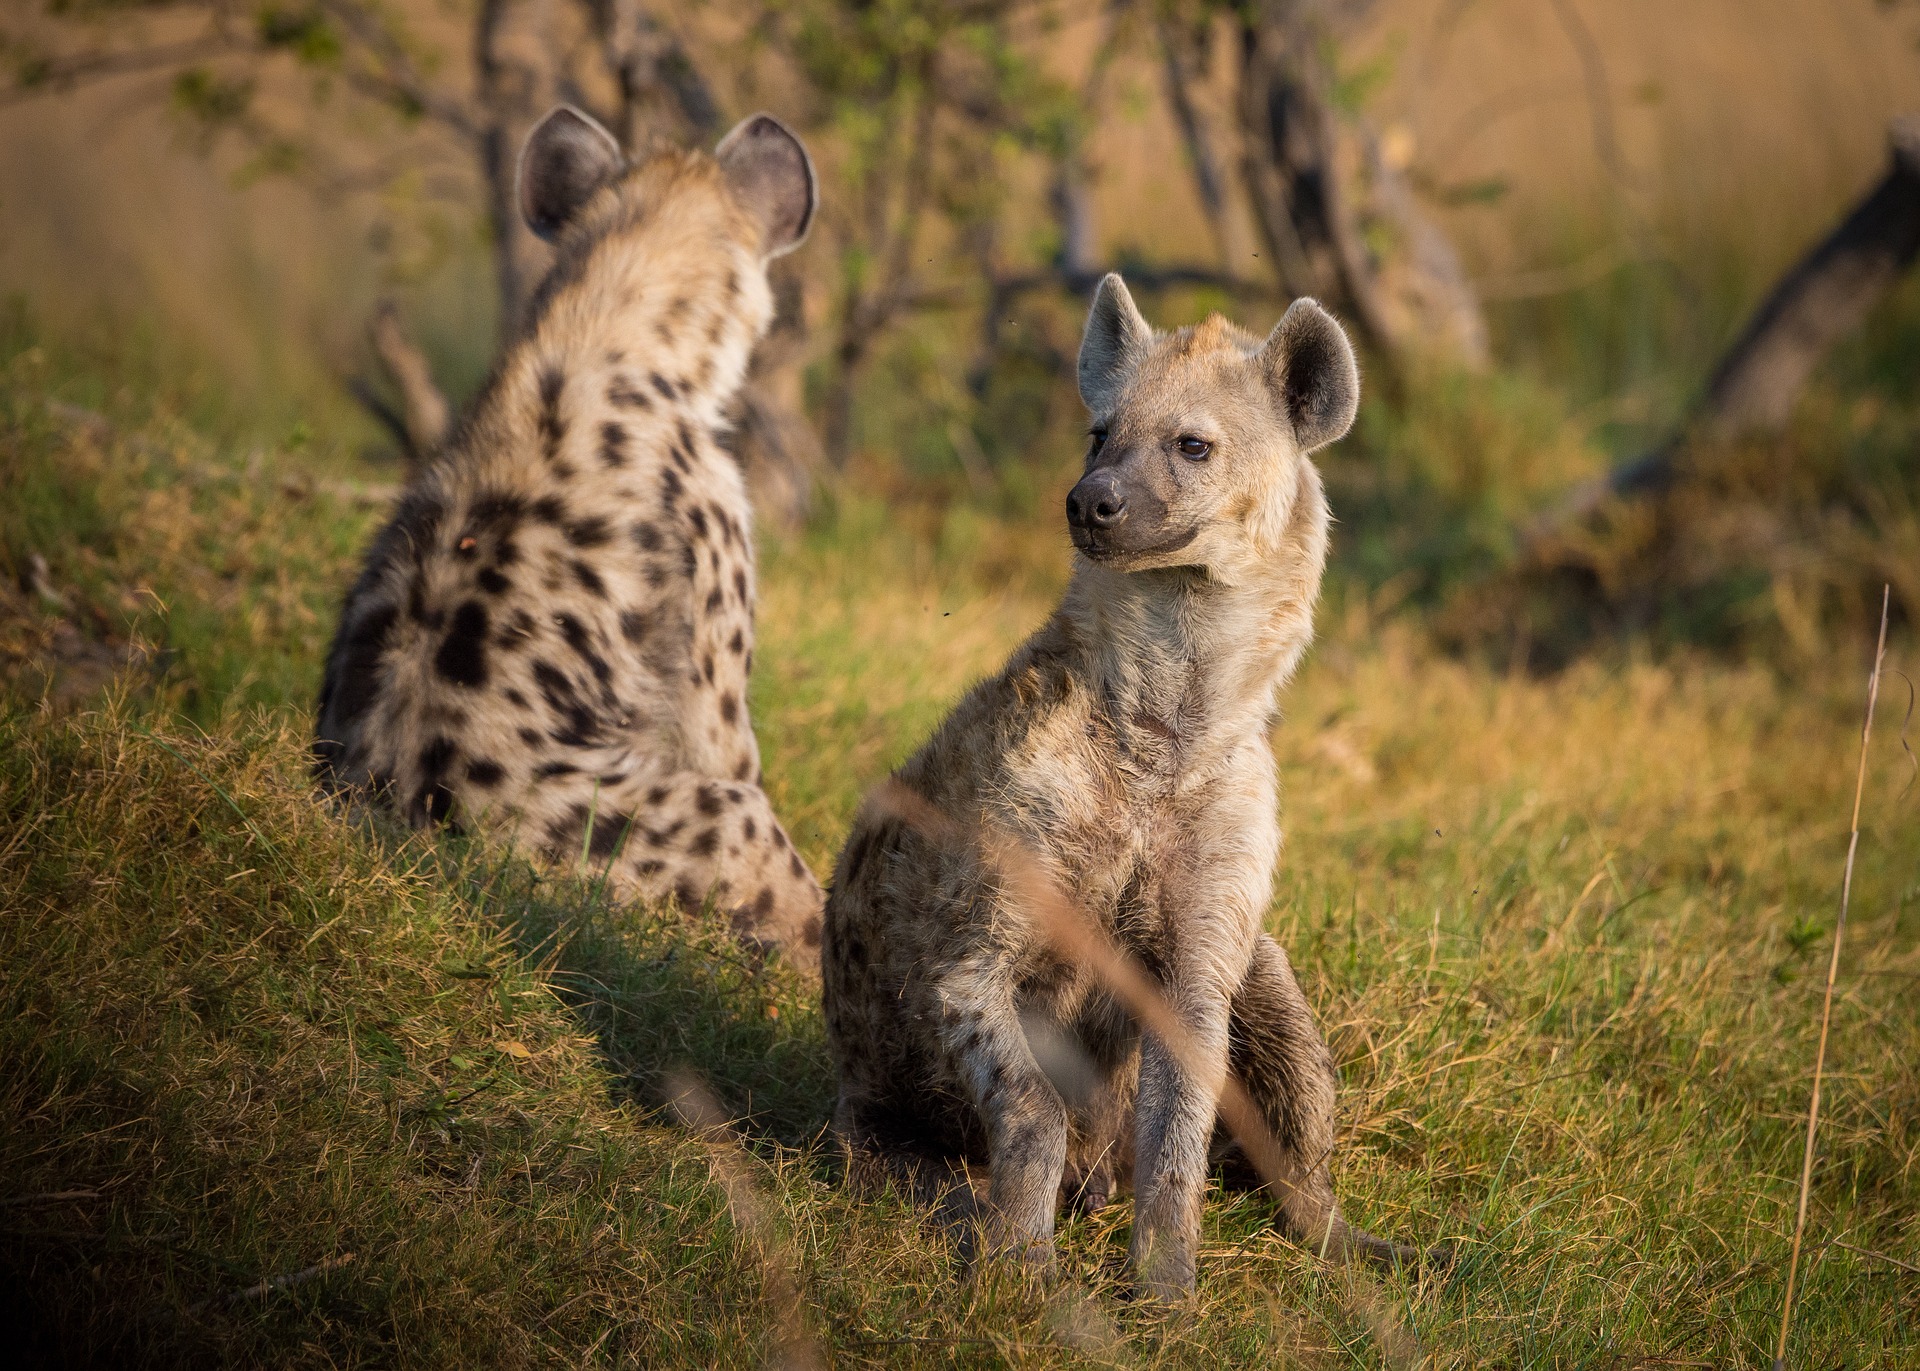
{"x": 259, "y": 1290}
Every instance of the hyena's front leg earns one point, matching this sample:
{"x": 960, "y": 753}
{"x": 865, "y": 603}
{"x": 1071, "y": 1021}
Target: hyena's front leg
{"x": 1024, "y": 1117}
{"x": 1179, "y": 1093}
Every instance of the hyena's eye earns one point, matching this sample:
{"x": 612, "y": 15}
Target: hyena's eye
{"x": 1194, "y": 449}
{"x": 1099, "y": 436}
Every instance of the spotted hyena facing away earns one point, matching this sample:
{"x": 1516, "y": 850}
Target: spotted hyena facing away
{"x": 551, "y": 639}
{"x": 1124, "y": 753}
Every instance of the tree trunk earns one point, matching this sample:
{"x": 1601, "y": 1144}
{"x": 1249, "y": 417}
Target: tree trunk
{"x": 1319, "y": 188}
{"x": 507, "y": 92}
{"x": 1823, "y": 298}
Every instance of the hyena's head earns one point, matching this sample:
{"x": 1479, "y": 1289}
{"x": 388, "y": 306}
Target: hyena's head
{"x": 1201, "y": 435}
{"x": 754, "y": 195}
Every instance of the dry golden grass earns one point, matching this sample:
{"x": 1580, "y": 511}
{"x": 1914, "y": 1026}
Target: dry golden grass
{"x": 1561, "y": 933}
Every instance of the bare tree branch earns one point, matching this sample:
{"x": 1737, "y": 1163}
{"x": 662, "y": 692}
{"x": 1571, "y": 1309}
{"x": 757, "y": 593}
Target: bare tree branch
{"x": 1824, "y": 297}
{"x": 426, "y": 415}
{"x": 58, "y": 77}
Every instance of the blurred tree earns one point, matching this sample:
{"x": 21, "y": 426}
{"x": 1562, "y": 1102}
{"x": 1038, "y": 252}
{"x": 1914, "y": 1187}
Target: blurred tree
{"x": 359, "y": 96}
{"x": 1329, "y": 196}
{"x": 958, "y": 159}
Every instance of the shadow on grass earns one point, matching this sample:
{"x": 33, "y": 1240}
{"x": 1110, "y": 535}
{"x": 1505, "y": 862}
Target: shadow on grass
{"x": 664, "y": 991}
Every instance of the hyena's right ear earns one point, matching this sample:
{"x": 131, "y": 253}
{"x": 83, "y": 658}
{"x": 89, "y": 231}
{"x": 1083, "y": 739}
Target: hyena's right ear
{"x": 567, "y": 158}
{"x": 1115, "y": 343}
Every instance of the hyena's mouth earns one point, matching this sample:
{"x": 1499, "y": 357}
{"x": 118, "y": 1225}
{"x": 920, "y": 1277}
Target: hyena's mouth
{"x": 1101, "y": 546}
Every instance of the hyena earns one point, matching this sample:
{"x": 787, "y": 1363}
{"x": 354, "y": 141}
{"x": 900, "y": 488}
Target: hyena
{"x": 551, "y": 638}
{"x": 1124, "y": 754}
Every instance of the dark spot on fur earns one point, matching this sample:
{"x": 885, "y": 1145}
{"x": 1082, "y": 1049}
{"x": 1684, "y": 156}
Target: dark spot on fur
{"x": 613, "y": 445}
{"x": 434, "y": 800}
{"x": 553, "y": 429}
{"x": 737, "y": 644}
{"x": 485, "y": 773}
{"x": 661, "y": 384}
{"x": 715, "y": 598}
{"x": 749, "y": 829}
{"x": 650, "y": 867}
{"x": 588, "y": 578}
{"x": 704, "y": 843}
{"x": 656, "y": 795}
{"x": 462, "y": 657}
{"x": 589, "y": 532}
{"x": 707, "y": 800}
{"x": 742, "y": 769}
{"x": 548, "y": 770}
{"x": 730, "y": 707}
{"x": 740, "y": 584}
{"x": 698, "y": 518}
{"x": 671, "y": 487}
{"x": 633, "y": 625}
{"x": 582, "y": 643}
{"x": 493, "y": 582}
{"x": 798, "y": 867}
{"x": 550, "y": 509}
{"x": 648, "y": 537}
{"x": 609, "y": 835}
{"x": 623, "y": 394}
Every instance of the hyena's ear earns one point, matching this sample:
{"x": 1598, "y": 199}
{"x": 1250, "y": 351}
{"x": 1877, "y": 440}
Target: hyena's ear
{"x": 567, "y": 158}
{"x": 771, "y": 174}
{"x": 1115, "y": 343}
{"x": 1310, "y": 368}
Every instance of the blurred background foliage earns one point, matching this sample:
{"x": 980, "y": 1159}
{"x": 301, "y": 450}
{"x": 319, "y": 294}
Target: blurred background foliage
{"x": 1544, "y": 220}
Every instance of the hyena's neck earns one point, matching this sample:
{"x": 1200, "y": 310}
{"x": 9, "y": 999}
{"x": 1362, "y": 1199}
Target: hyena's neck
{"x": 1202, "y": 657}
{"x": 645, "y": 335}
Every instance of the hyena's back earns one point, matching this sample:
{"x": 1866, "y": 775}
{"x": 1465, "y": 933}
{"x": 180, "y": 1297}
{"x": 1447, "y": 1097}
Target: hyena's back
{"x": 552, "y": 637}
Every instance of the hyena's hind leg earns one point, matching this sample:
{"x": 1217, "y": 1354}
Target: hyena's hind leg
{"x": 688, "y": 837}
{"x": 926, "y": 1178}
{"x": 1278, "y": 1054}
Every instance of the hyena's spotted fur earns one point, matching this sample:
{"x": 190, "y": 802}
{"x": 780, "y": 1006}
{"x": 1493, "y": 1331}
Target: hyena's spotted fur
{"x": 552, "y": 637}
{"x": 1124, "y": 751}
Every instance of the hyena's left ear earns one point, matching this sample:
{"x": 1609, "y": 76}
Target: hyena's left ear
{"x": 567, "y": 158}
{"x": 1310, "y": 368}
{"x": 770, "y": 172}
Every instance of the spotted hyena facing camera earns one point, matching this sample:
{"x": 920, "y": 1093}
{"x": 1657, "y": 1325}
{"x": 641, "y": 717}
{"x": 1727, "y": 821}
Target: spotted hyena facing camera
{"x": 551, "y": 638}
{"x": 1106, "y": 807}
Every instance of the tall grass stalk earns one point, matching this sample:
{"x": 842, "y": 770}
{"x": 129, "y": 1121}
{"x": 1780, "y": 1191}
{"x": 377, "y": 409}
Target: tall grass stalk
{"x": 1833, "y": 970}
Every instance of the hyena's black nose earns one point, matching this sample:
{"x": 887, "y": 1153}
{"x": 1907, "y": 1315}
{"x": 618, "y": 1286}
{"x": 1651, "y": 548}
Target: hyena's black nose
{"x": 1097, "y": 501}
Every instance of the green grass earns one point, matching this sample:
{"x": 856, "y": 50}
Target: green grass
{"x": 1565, "y": 935}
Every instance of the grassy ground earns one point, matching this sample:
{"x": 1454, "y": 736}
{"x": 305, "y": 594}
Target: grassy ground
{"x": 1566, "y": 936}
